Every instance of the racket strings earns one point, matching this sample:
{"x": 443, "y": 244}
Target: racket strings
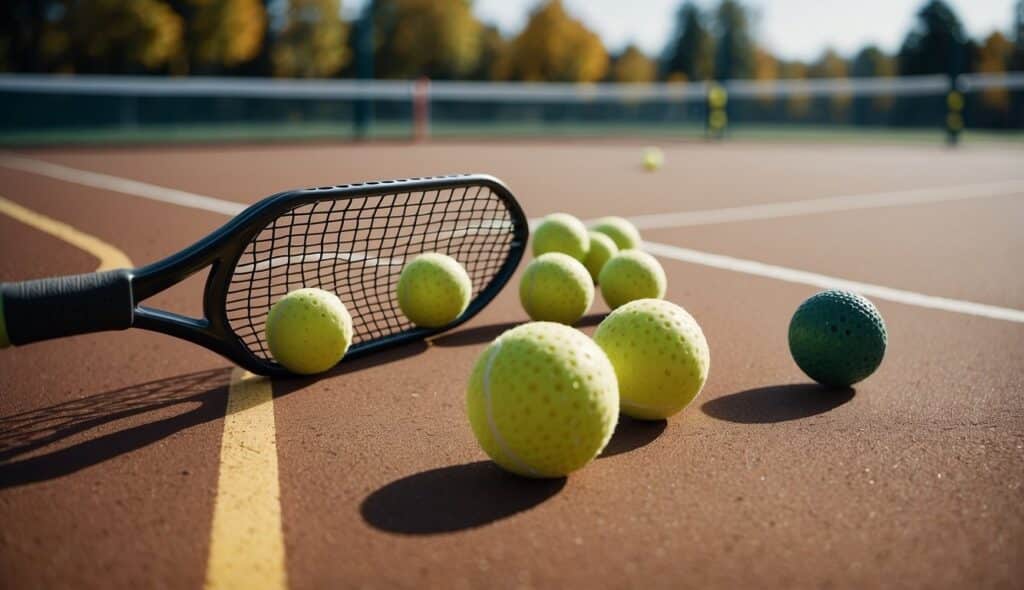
{"x": 356, "y": 248}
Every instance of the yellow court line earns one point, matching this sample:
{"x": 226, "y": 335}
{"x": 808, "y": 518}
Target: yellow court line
{"x": 109, "y": 256}
{"x": 247, "y": 538}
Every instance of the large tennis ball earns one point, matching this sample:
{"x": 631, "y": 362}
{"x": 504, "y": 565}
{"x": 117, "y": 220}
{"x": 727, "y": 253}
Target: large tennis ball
{"x": 556, "y": 288}
{"x": 621, "y": 231}
{"x": 561, "y": 232}
{"x": 308, "y": 331}
{"x": 631, "y": 275}
{"x": 602, "y": 248}
{"x": 660, "y": 357}
{"x": 433, "y": 290}
{"x": 542, "y": 400}
{"x": 837, "y": 338}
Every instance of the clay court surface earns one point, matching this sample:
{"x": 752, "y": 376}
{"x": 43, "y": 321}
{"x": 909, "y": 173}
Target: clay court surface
{"x": 110, "y": 444}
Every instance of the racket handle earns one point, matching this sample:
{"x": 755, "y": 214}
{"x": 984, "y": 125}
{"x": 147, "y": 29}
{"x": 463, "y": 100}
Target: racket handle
{"x": 31, "y": 311}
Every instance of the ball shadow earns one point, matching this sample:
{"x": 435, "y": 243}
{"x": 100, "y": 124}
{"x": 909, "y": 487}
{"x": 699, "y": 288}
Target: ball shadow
{"x": 471, "y": 336}
{"x": 778, "y": 403}
{"x": 485, "y": 334}
{"x": 631, "y": 434}
{"x": 590, "y": 320}
{"x": 454, "y": 498}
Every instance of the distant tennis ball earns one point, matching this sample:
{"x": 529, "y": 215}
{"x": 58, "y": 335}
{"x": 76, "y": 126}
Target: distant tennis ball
{"x": 654, "y": 158}
{"x": 631, "y": 275}
{"x": 542, "y": 400}
{"x": 837, "y": 338}
{"x": 308, "y": 331}
{"x": 433, "y": 290}
{"x": 660, "y": 355}
{"x": 561, "y": 232}
{"x": 602, "y": 248}
{"x": 621, "y": 231}
{"x": 556, "y": 288}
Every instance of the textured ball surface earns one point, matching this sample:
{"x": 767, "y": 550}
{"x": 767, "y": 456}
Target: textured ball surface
{"x": 433, "y": 290}
{"x": 654, "y": 158}
{"x": 837, "y": 338}
{"x": 561, "y": 232}
{"x": 621, "y": 231}
{"x": 556, "y": 288}
{"x": 542, "y": 400}
{"x": 602, "y": 248}
{"x": 632, "y": 275}
{"x": 660, "y": 356}
{"x": 308, "y": 331}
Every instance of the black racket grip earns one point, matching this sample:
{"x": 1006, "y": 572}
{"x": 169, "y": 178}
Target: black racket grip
{"x": 63, "y": 306}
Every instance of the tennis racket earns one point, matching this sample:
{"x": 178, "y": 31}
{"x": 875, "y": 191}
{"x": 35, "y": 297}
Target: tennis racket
{"x": 352, "y": 240}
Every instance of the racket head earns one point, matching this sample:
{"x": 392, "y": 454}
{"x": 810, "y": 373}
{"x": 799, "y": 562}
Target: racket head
{"x": 352, "y": 240}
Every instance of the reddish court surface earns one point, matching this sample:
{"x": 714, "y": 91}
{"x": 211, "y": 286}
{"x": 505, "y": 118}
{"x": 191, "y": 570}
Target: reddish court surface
{"x": 109, "y": 443}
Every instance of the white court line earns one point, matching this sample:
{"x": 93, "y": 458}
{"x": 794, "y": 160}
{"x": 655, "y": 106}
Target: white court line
{"x": 158, "y": 193}
{"x": 122, "y": 185}
{"x": 830, "y": 204}
{"x": 790, "y": 275}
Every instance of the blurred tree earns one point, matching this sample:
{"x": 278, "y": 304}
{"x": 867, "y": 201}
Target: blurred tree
{"x": 112, "y": 36}
{"x": 633, "y": 66}
{"x": 994, "y": 57}
{"x": 766, "y": 69}
{"x": 493, "y": 47}
{"x": 436, "y": 38}
{"x": 872, "y": 62}
{"x": 22, "y": 23}
{"x": 1018, "y": 37}
{"x": 831, "y": 65}
{"x": 734, "y": 44}
{"x": 936, "y": 44}
{"x": 691, "y": 47}
{"x": 554, "y": 47}
{"x": 313, "y": 42}
{"x": 223, "y": 34}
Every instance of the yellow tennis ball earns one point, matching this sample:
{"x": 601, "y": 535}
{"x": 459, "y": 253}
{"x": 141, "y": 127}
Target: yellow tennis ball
{"x": 621, "y": 231}
{"x": 660, "y": 355}
{"x": 602, "y": 248}
{"x": 561, "y": 232}
{"x": 433, "y": 290}
{"x": 542, "y": 400}
{"x": 308, "y": 331}
{"x": 632, "y": 275}
{"x": 654, "y": 158}
{"x": 556, "y": 288}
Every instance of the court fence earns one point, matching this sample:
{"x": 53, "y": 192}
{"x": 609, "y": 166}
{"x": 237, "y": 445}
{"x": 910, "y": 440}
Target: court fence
{"x": 41, "y": 109}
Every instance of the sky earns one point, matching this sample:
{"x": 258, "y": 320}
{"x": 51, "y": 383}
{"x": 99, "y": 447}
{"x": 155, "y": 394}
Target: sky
{"x": 792, "y": 29}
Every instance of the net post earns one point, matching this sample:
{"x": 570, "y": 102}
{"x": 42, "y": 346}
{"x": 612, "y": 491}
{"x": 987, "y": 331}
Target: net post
{"x": 421, "y": 109}
{"x": 954, "y": 112}
{"x": 363, "y": 107}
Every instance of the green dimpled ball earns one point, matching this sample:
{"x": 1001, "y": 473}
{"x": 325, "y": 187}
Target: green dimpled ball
{"x": 556, "y": 288}
{"x": 660, "y": 355}
{"x": 632, "y": 275}
{"x": 433, "y": 290}
{"x": 561, "y": 232}
{"x": 621, "y": 231}
{"x": 837, "y": 338}
{"x": 308, "y": 331}
{"x": 542, "y": 400}
{"x": 602, "y": 248}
